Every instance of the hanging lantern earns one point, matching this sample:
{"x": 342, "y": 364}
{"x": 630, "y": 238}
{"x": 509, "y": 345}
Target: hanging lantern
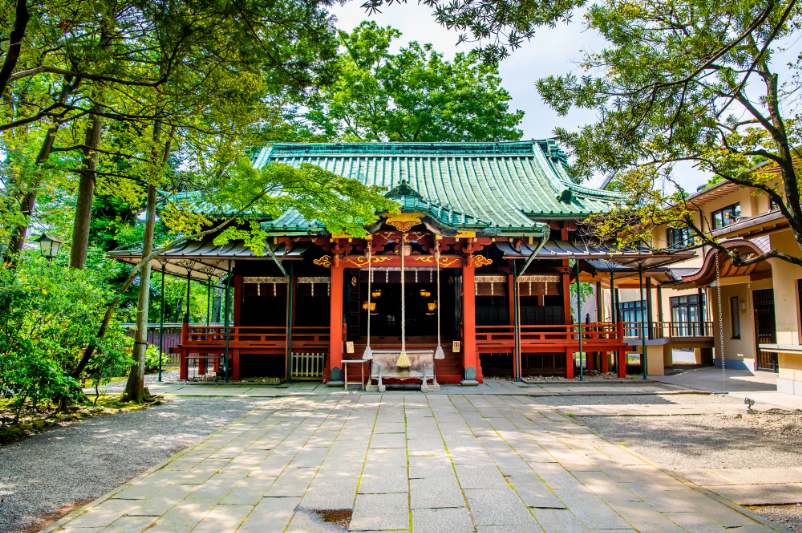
{"x": 372, "y": 306}
{"x": 432, "y": 306}
{"x": 376, "y": 293}
{"x": 425, "y": 293}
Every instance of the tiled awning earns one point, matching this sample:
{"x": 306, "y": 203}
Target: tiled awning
{"x": 628, "y": 257}
{"x": 205, "y": 260}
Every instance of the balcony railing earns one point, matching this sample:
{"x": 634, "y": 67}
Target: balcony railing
{"x": 668, "y": 330}
{"x": 599, "y": 333}
{"x": 214, "y": 337}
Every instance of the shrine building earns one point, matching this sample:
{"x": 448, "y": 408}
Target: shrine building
{"x": 475, "y": 263}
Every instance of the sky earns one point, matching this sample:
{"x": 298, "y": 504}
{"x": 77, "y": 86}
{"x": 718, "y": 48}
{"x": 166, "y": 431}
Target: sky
{"x": 551, "y": 52}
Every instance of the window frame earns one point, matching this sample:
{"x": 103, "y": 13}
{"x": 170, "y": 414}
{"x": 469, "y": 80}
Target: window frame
{"x": 684, "y": 235}
{"x": 717, "y": 216}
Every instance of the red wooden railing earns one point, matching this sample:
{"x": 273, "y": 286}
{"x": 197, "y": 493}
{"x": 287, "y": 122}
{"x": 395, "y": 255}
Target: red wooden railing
{"x": 599, "y": 333}
{"x": 253, "y": 336}
{"x": 668, "y": 330}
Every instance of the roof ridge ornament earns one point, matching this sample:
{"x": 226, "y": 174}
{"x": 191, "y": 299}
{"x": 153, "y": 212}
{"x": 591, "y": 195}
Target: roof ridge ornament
{"x": 403, "y": 189}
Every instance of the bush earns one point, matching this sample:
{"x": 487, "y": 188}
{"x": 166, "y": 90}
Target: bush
{"x": 48, "y": 314}
{"x": 152, "y": 359}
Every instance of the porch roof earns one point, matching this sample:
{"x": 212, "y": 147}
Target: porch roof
{"x": 204, "y": 259}
{"x": 627, "y": 257}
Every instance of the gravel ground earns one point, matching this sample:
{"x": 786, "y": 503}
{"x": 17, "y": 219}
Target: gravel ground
{"x": 167, "y": 375}
{"x": 85, "y": 460}
{"x": 789, "y": 516}
{"x": 703, "y": 441}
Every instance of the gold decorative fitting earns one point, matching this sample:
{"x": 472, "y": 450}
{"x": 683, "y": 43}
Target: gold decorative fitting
{"x": 361, "y": 260}
{"x": 324, "y": 261}
{"x": 404, "y": 221}
{"x": 480, "y": 261}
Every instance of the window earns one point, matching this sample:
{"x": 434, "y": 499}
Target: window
{"x": 632, "y": 312}
{"x": 678, "y": 237}
{"x": 735, "y": 318}
{"x": 725, "y": 217}
{"x": 773, "y": 205}
{"x": 685, "y": 315}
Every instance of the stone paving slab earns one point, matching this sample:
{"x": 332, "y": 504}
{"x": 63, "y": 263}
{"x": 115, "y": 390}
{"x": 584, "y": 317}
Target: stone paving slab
{"x": 487, "y": 463}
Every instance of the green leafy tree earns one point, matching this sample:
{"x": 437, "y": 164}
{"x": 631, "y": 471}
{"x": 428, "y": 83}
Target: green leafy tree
{"x": 687, "y": 81}
{"x": 414, "y": 95}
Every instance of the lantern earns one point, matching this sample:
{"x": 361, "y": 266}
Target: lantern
{"x": 48, "y": 246}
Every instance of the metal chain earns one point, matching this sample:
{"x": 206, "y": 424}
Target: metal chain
{"x": 720, "y": 323}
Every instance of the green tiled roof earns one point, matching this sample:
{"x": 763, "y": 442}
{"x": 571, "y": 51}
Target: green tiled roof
{"x": 489, "y": 187}
{"x": 504, "y": 185}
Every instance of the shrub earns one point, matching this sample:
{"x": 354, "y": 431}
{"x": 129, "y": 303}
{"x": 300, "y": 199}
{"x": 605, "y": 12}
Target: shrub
{"x": 48, "y": 314}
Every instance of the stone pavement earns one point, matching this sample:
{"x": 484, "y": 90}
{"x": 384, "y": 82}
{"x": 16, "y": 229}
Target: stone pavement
{"x": 489, "y": 387}
{"x": 425, "y": 463}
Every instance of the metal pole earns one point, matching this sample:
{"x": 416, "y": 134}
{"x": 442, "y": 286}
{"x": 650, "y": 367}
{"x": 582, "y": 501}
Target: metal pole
{"x": 579, "y": 321}
{"x": 189, "y": 281}
{"x": 228, "y": 288}
{"x": 161, "y": 326}
{"x": 209, "y": 303}
{"x": 613, "y": 313}
{"x": 517, "y": 327}
{"x": 643, "y": 321}
{"x": 290, "y": 291}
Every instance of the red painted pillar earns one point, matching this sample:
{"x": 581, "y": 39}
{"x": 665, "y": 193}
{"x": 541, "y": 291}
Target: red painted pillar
{"x": 469, "y": 356}
{"x": 591, "y": 360}
{"x": 605, "y": 361}
{"x": 336, "y": 324}
{"x": 569, "y": 363}
{"x": 567, "y": 295}
{"x": 622, "y": 363}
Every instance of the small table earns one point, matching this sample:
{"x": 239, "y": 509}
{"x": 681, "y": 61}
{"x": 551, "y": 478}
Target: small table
{"x": 361, "y": 367}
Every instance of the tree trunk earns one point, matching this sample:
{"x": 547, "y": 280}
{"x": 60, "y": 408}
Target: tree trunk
{"x": 15, "y": 43}
{"x": 86, "y": 193}
{"x": 135, "y": 390}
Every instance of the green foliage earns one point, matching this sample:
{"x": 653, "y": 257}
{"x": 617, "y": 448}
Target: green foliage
{"x": 48, "y": 313}
{"x": 414, "y": 95}
{"x": 500, "y": 26}
{"x": 686, "y": 81}
{"x": 152, "y": 359}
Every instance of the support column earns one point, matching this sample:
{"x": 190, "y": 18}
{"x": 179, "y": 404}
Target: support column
{"x": 567, "y": 296}
{"x": 661, "y": 330}
{"x": 599, "y": 308}
{"x": 237, "y": 301}
{"x": 469, "y": 356}
{"x": 701, "y": 314}
{"x": 336, "y": 325}
{"x": 569, "y": 363}
{"x": 649, "y": 310}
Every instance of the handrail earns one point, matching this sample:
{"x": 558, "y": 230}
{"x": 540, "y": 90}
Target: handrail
{"x": 594, "y": 333}
{"x": 669, "y": 330}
